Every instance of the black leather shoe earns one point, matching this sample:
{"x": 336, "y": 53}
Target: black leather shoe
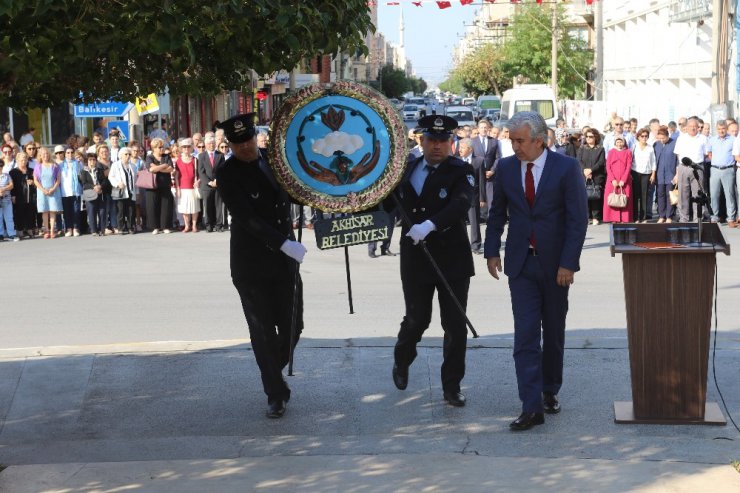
{"x": 455, "y": 399}
{"x": 401, "y": 376}
{"x": 275, "y": 409}
{"x": 372, "y": 254}
{"x": 387, "y": 253}
{"x": 550, "y": 403}
{"x": 209, "y": 229}
{"x": 526, "y": 421}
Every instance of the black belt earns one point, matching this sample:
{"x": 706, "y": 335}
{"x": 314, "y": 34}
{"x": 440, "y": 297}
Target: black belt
{"x": 532, "y": 251}
{"x": 723, "y": 167}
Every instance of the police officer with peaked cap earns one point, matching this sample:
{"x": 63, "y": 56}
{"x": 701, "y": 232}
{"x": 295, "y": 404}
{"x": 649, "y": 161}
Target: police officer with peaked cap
{"x": 264, "y": 256}
{"x": 435, "y": 194}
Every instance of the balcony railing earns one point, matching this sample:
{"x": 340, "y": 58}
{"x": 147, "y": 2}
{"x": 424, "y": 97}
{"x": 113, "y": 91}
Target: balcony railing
{"x": 690, "y": 10}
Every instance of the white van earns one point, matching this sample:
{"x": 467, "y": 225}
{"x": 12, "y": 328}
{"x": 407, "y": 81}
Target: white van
{"x": 530, "y": 97}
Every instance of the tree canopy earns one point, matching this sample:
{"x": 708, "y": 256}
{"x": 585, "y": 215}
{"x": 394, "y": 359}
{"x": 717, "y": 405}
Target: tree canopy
{"x": 527, "y": 52}
{"x": 53, "y": 50}
{"x": 393, "y": 82}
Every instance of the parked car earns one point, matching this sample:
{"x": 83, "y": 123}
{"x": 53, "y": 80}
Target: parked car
{"x": 396, "y": 103}
{"x": 411, "y": 112}
{"x": 492, "y": 115}
{"x": 462, "y": 114}
{"x": 420, "y": 104}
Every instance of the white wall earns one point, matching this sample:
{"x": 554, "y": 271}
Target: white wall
{"x": 655, "y": 68}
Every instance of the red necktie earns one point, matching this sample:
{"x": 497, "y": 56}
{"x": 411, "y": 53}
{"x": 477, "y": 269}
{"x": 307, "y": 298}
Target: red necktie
{"x": 529, "y": 194}
{"x": 210, "y": 155}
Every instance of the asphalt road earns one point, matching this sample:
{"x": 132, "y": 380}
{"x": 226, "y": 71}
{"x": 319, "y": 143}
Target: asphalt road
{"x": 143, "y": 288}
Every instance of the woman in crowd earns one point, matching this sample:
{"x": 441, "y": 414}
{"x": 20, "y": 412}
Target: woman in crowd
{"x": 618, "y": 180}
{"x": 185, "y": 183}
{"x": 159, "y": 201}
{"x": 7, "y": 225}
{"x": 47, "y": 177}
{"x": 24, "y": 197}
{"x": 71, "y": 191}
{"x": 643, "y": 175}
{"x": 138, "y": 163}
{"x": 665, "y": 173}
{"x": 592, "y": 160}
{"x": 92, "y": 178}
{"x": 109, "y": 206}
{"x": 122, "y": 178}
{"x": 174, "y": 152}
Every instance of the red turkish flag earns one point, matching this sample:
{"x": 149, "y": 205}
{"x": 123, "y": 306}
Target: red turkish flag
{"x": 444, "y": 5}
{"x": 466, "y": 2}
{"x": 418, "y": 4}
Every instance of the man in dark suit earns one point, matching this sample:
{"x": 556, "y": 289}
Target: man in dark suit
{"x": 264, "y": 257}
{"x": 544, "y": 195}
{"x": 486, "y": 147}
{"x": 435, "y": 195}
{"x": 466, "y": 154}
{"x": 209, "y": 162}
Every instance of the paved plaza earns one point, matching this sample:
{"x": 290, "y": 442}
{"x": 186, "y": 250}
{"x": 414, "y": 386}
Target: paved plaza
{"x": 125, "y": 365}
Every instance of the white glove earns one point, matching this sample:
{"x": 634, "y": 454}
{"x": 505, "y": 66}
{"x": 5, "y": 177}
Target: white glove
{"x": 420, "y": 231}
{"x": 294, "y": 250}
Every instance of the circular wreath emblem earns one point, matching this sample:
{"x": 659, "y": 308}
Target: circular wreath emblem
{"x": 338, "y": 147}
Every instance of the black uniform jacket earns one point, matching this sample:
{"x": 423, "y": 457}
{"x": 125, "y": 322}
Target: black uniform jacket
{"x": 445, "y": 200}
{"x": 260, "y": 222}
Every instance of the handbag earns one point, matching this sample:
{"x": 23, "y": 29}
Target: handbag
{"x": 88, "y": 195}
{"x": 617, "y": 199}
{"x": 117, "y": 193}
{"x": 145, "y": 179}
{"x": 673, "y": 195}
{"x": 593, "y": 191}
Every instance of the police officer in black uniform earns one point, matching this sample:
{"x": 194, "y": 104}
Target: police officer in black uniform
{"x": 264, "y": 256}
{"x": 435, "y": 193}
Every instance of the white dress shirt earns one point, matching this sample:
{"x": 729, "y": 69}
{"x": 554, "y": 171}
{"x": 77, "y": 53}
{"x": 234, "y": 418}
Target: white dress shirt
{"x": 694, "y": 148}
{"x": 539, "y": 165}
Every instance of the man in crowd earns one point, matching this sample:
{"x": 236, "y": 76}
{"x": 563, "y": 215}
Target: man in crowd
{"x": 691, "y": 145}
{"x": 209, "y": 162}
{"x": 114, "y": 139}
{"x": 547, "y": 228}
{"x": 487, "y": 148}
{"x": 264, "y": 258}
{"x": 618, "y": 124}
{"x": 435, "y": 195}
{"x": 722, "y": 173}
{"x": 466, "y": 154}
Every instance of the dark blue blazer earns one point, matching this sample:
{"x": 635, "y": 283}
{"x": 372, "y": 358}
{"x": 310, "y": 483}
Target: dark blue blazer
{"x": 666, "y": 161}
{"x": 490, "y": 155}
{"x": 558, "y": 218}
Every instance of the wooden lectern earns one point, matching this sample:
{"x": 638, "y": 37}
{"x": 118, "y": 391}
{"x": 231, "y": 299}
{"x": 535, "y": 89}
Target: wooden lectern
{"x": 668, "y": 291}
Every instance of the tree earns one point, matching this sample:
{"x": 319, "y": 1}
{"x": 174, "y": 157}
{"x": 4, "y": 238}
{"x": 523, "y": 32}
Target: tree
{"x": 393, "y": 81}
{"x": 51, "y": 50}
{"x": 482, "y": 71}
{"x": 453, "y": 83}
{"x": 528, "y": 51}
{"x": 417, "y": 85}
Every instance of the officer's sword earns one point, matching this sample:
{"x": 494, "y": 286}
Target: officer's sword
{"x": 436, "y": 268}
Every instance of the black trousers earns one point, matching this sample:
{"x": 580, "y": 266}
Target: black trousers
{"x": 268, "y": 308}
{"x": 159, "y": 207}
{"x": 213, "y": 208}
{"x": 126, "y": 215}
{"x": 24, "y": 216}
{"x": 640, "y": 186}
{"x": 418, "y": 297}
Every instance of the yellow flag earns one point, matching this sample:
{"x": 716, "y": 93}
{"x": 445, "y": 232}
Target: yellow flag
{"x": 147, "y": 105}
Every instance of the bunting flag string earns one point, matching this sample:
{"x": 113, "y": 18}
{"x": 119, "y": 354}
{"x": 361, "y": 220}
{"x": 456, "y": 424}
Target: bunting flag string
{"x": 448, "y": 4}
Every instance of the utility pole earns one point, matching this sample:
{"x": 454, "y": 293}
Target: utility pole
{"x": 720, "y": 50}
{"x": 554, "y": 60}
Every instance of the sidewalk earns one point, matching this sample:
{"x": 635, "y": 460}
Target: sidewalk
{"x": 190, "y": 417}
